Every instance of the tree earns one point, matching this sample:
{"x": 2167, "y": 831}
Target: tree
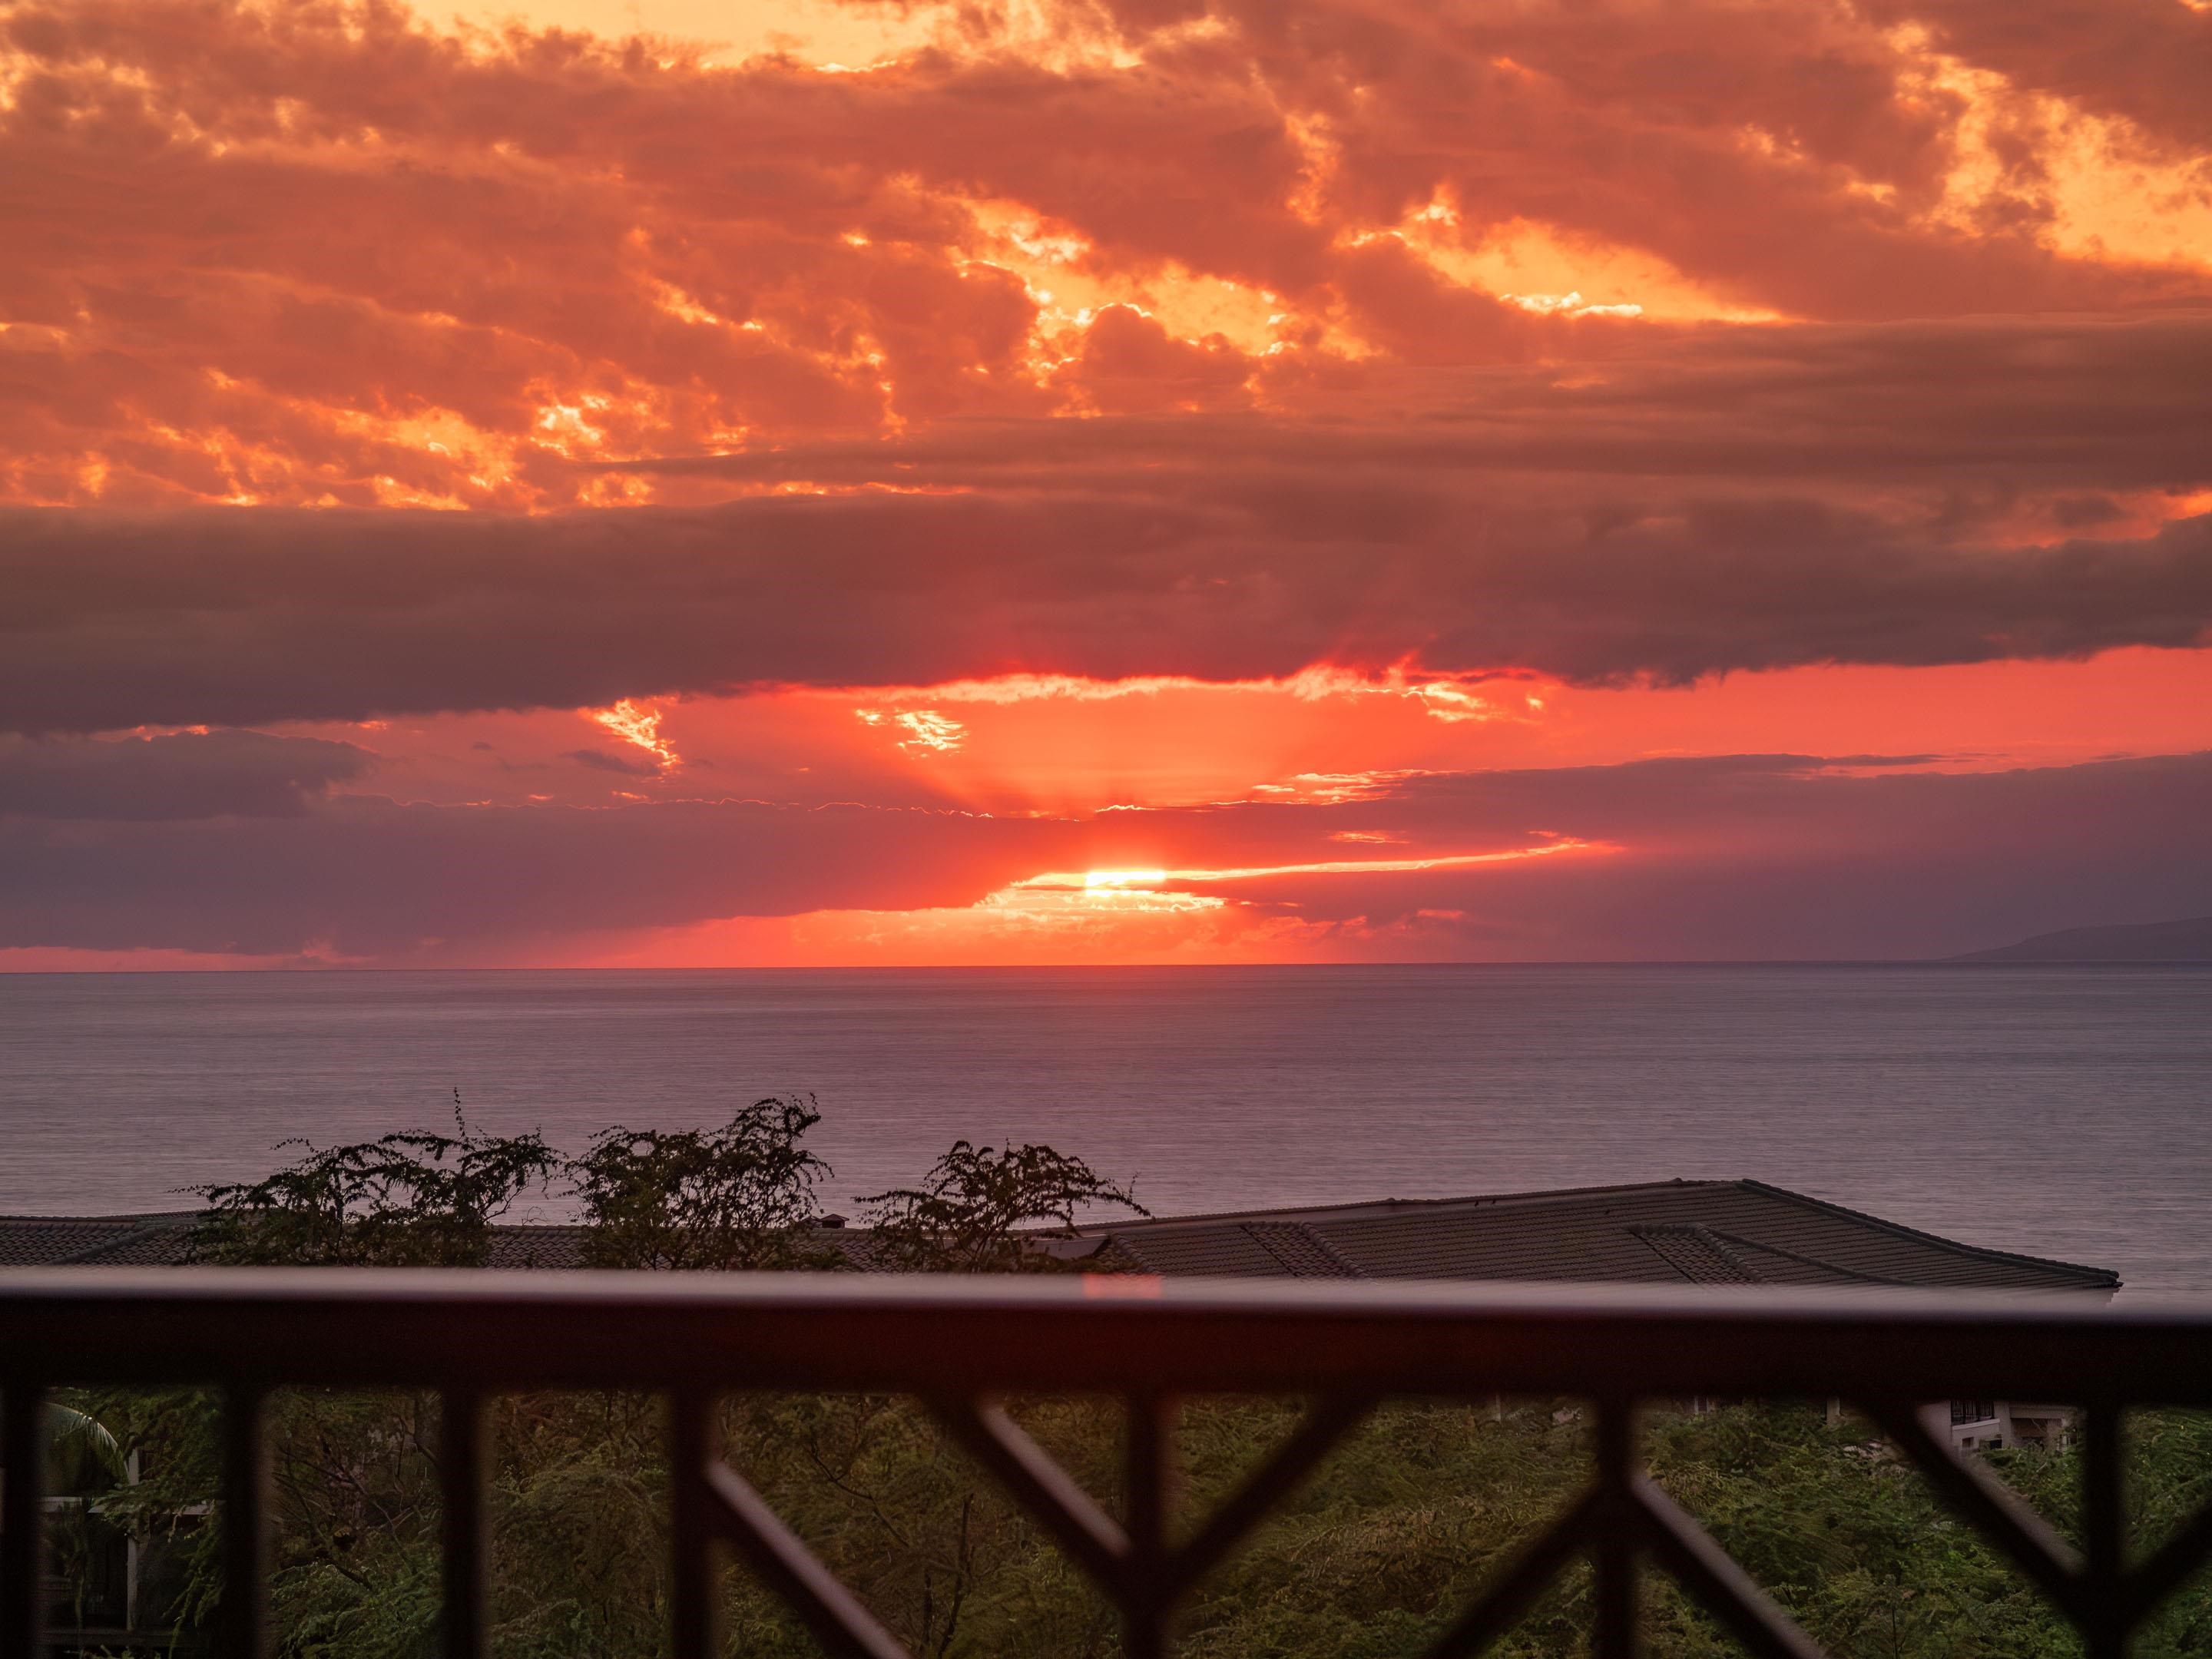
{"x": 981, "y": 1209}
{"x": 402, "y": 1200}
{"x": 82, "y": 1453}
{"x": 741, "y": 1196}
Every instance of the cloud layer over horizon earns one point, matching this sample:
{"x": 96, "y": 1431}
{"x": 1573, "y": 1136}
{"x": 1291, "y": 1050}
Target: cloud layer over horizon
{"x": 475, "y": 494}
{"x": 1721, "y": 856}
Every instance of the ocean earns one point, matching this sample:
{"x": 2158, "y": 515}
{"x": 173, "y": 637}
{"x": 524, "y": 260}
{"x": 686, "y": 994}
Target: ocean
{"x": 2058, "y": 1110}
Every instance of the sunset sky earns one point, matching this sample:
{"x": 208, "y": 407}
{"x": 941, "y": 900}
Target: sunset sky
{"x": 655, "y": 482}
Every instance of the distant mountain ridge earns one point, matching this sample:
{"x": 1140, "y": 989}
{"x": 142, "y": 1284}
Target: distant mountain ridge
{"x": 2150, "y": 941}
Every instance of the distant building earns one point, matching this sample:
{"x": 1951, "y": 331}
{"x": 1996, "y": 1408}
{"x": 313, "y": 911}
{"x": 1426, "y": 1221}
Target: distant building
{"x": 1988, "y": 1424}
{"x": 1663, "y": 1232}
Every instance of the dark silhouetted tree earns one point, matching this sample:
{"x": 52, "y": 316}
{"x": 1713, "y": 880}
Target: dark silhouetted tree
{"x": 403, "y": 1201}
{"x": 985, "y": 1209}
{"x": 741, "y": 1196}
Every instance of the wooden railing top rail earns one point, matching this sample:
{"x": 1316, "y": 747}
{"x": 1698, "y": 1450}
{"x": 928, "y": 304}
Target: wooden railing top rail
{"x": 1110, "y": 1333}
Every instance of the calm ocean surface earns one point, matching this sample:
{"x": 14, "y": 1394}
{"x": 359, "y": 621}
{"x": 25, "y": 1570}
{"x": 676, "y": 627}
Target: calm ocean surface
{"x": 2061, "y": 1111}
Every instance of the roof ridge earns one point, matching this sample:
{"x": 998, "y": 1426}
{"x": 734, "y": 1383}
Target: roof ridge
{"x": 1264, "y": 1212}
{"x": 2103, "y": 1276}
{"x": 1824, "y": 1266}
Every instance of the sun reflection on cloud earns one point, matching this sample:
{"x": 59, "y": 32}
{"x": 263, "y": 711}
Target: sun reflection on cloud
{"x": 1552, "y": 271}
{"x": 2092, "y": 185}
{"x": 1114, "y": 914}
{"x": 638, "y": 724}
{"x": 1333, "y": 788}
{"x": 1452, "y": 700}
{"x": 1112, "y": 884}
{"x": 1570, "y": 304}
{"x": 928, "y": 733}
{"x": 1094, "y": 879}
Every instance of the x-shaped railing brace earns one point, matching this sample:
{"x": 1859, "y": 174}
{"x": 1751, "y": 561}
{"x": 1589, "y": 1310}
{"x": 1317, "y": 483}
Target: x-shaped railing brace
{"x": 1132, "y": 1565}
{"x": 1624, "y": 1514}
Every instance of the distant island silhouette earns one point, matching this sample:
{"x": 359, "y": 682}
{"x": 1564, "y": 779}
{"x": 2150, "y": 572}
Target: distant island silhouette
{"x": 2150, "y": 941}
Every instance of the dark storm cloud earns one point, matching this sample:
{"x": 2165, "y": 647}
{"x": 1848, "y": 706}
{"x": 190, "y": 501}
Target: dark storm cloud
{"x": 1998, "y": 407}
{"x": 182, "y": 776}
{"x": 251, "y": 618}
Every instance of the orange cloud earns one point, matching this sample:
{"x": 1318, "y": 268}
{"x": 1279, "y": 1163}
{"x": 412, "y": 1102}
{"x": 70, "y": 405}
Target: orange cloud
{"x": 936, "y": 444}
{"x": 452, "y": 263}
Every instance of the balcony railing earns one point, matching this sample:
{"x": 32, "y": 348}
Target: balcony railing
{"x": 960, "y": 1344}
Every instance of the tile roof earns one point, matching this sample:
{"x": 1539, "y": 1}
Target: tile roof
{"x": 1300, "y": 1251}
{"x": 1670, "y": 1232}
{"x": 537, "y": 1247}
{"x": 122, "y": 1241}
{"x": 1704, "y": 1232}
{"x": 1698, "y": 1254}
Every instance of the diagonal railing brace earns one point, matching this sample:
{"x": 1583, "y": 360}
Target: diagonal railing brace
{"x": 2000, "y": 1514}
{"x": 832, "y": 1612}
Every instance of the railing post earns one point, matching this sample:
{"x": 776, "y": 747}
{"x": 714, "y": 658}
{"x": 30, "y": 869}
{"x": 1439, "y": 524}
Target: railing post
{"x": 1613, "y": 1552}
{"x": 2105, "y": 1629}
{"x": 22, "y": 1557}
{"x": 691, "y": 1598}
{"x": 1145, "y": 1601}
{"x": 243, "y": 1621}
{"x": 463, "y": 1468}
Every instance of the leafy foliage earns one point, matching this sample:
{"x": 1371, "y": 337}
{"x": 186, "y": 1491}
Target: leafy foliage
{"x": 411, "y": 1200}
{"x": 1371, "y": 1559}
{"x": 971, "y": 1211}
{"x": 176, "y": 1435}
{"x": 82, "y": 1453}
{"x": 1849, "y": 1537}
{"x": 741, "y": 1196}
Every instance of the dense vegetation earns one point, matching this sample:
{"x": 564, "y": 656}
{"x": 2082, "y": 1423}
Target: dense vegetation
{"x": 1370, "y": 1559}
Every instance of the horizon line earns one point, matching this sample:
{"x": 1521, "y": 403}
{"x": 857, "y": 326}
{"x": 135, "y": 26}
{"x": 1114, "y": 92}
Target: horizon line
{"x": 1975, "y": 959}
